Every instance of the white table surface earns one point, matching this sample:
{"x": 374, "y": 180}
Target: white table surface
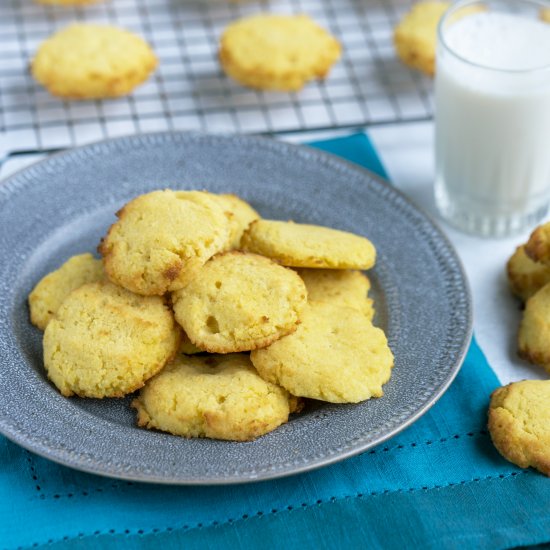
{"x": 406, "y": 152}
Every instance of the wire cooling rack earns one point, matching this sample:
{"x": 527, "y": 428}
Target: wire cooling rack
{"x": 188, "y": 91}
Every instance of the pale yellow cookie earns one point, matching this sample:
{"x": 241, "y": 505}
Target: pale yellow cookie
{"x": 105, "y": 341}
{"x": 277, "y": 52}
{"x": 519, "y": 423}
{"x": 242, "y": 215}
{"x": 51, "y": 290}
{"x": 545, "y": 14}
{"x": 301, "y": 245}
{"x": 341, "y": 287}
{"x": 526, "y": 276}
{"x": 162, "y": 239}
{"x": 335, "y": 355}
{"x": 187, "y": 347}
{"x": 88, "y": 61}
{"x": 538, "y": 245}
{"x": 415, "y": 37}
{"x": 534, "y": 330}
{"x": 239, "y": 302}
{"x": 216, "y": 396}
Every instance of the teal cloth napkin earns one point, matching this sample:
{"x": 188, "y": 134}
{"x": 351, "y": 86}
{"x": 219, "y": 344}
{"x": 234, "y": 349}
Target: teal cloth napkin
{"x": 440, "y": 483}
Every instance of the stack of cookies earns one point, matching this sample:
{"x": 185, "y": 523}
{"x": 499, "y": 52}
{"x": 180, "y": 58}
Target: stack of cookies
{"x": 224, "y": 321}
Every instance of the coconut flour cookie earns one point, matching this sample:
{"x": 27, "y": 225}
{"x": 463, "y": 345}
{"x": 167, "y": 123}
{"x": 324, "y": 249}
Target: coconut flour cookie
{"x": 277, "y": 52}
{"x": 162, "y": 239}
{"x": 534, "y": 330}
{"x": 242, "y": 215}
{"x": 52, "y": 289}
{"x": 342, "y": 287}
{"x": 239, "y": 302}
{"x": 335, "y": 355}
{"x": 302, "y": 245}
{"x": 105, "y": 341}
{"x": 538, "y": 245}
{"x": 415, "y": 37}
{"x": 519, "y": 423}
{"x": 220, "y": 397}
{"x": 87, "y": 61}
{"x": 526, "y": 276}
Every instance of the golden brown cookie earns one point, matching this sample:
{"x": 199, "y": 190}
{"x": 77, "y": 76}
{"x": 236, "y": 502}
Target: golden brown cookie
{"x": 105, "y": 341}
{"x": 415, "y": 36}
{"x": 519, "y": 423}
{"x": 343, "y": 287}
{"x": 162, "y": 239}
{"x": 335, "y": 355}
{"x": 302, "y": 245}
{"x": 215, "y": 396}
{"x": 277, "y": 52}
{"x": 51, "y": 290}
{"x": 526, "y": 276}
{"x": 534, "y": 330}
{"x": 538, "y": 245}
{"x": 239, "y": 302}
{"x": 88, "y": 61}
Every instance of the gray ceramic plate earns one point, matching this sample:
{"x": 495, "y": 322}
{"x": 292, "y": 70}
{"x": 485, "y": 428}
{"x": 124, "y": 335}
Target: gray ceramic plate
{"x": 63, "y": 205}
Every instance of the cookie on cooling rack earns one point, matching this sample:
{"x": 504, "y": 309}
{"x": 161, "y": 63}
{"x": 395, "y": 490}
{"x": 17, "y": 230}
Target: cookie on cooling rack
{"x": 105, "y": 341}
{"x": 48, "y": 295}
{"x": 302, "y": 245}
{"x": 342, "y": 287}
{"x": 415, "y": 36}
{"x": 163, "y": 238}
{"x": 214, "y": 396}
{"x": 335, "y": 355}
{"x": 67, "y": 2}
{"x": 525, "y": 275}
{"x": 88, "y": 61}
{"x": 239, "y": 302}
{"x": 519, "y": 423}
{"x": 277, "y": 52}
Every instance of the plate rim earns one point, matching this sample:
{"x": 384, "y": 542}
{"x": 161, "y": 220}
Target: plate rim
{"x": 16, "y": 180}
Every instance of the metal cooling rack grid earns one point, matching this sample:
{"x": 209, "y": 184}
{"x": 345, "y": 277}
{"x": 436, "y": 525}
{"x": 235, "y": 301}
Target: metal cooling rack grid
{"x": 188, "y": 91}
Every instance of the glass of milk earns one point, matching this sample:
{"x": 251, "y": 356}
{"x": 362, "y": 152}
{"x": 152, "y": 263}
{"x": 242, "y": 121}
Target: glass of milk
{"x": 492, "y": 98}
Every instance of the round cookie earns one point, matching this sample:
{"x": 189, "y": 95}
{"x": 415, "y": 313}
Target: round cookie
{"x": 220, "y": 397}
{"x": 48, "y": 295}
{"x": 87, "y": 61}
{"x": 526, "y": 276}
{"x": 538, "y": 246}
{"x": 534, "y": 343}
{"x": 302, "y": 245}
{"x": 240, "y": 302}
{"x": 187, "y": 347}
{"x": 106, "y": 342}
{"x": 519, "y": 423}
{"x": 277, "y": 52}
{"x": 341, "y": 287}
{"x": 415, "y": 36}
{"x": 242, "y": 215}
{"x": 335, "y": 355}
{"x": 162, "y": 239}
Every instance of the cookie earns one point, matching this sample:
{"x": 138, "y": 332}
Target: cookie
{"x": 162, "y": 239}
{"x": 526, "y": 276}
{"x": 242, "y": 215}
{"x": 87, "y": 61}
{"x": 51, "y": 290}
{"x": 335, "y": 355}
{"x": 301, "y": 245}
{"x": 341, "y": 287}
{"x": 415, "y": 37}
{"x": 105, "y": 341}
{"x": 239, "y": 302}
{"x": 187, "y": 347}
{"x": 277, "y": 52}
{"x": 215, "y": 396}
{"x": 67, "y": 2}
{"x": 538, "y": 245}
{"x": 519, "y": 423}
{"x": 545, "y": 14}
{"x": 534, "y": 330}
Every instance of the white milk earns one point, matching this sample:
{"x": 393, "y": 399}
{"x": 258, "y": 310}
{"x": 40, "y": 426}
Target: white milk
{"x": 493, "y": 122}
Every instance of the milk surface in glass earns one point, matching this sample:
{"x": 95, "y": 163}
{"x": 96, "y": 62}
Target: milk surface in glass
{"x": 493, "y": 117}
